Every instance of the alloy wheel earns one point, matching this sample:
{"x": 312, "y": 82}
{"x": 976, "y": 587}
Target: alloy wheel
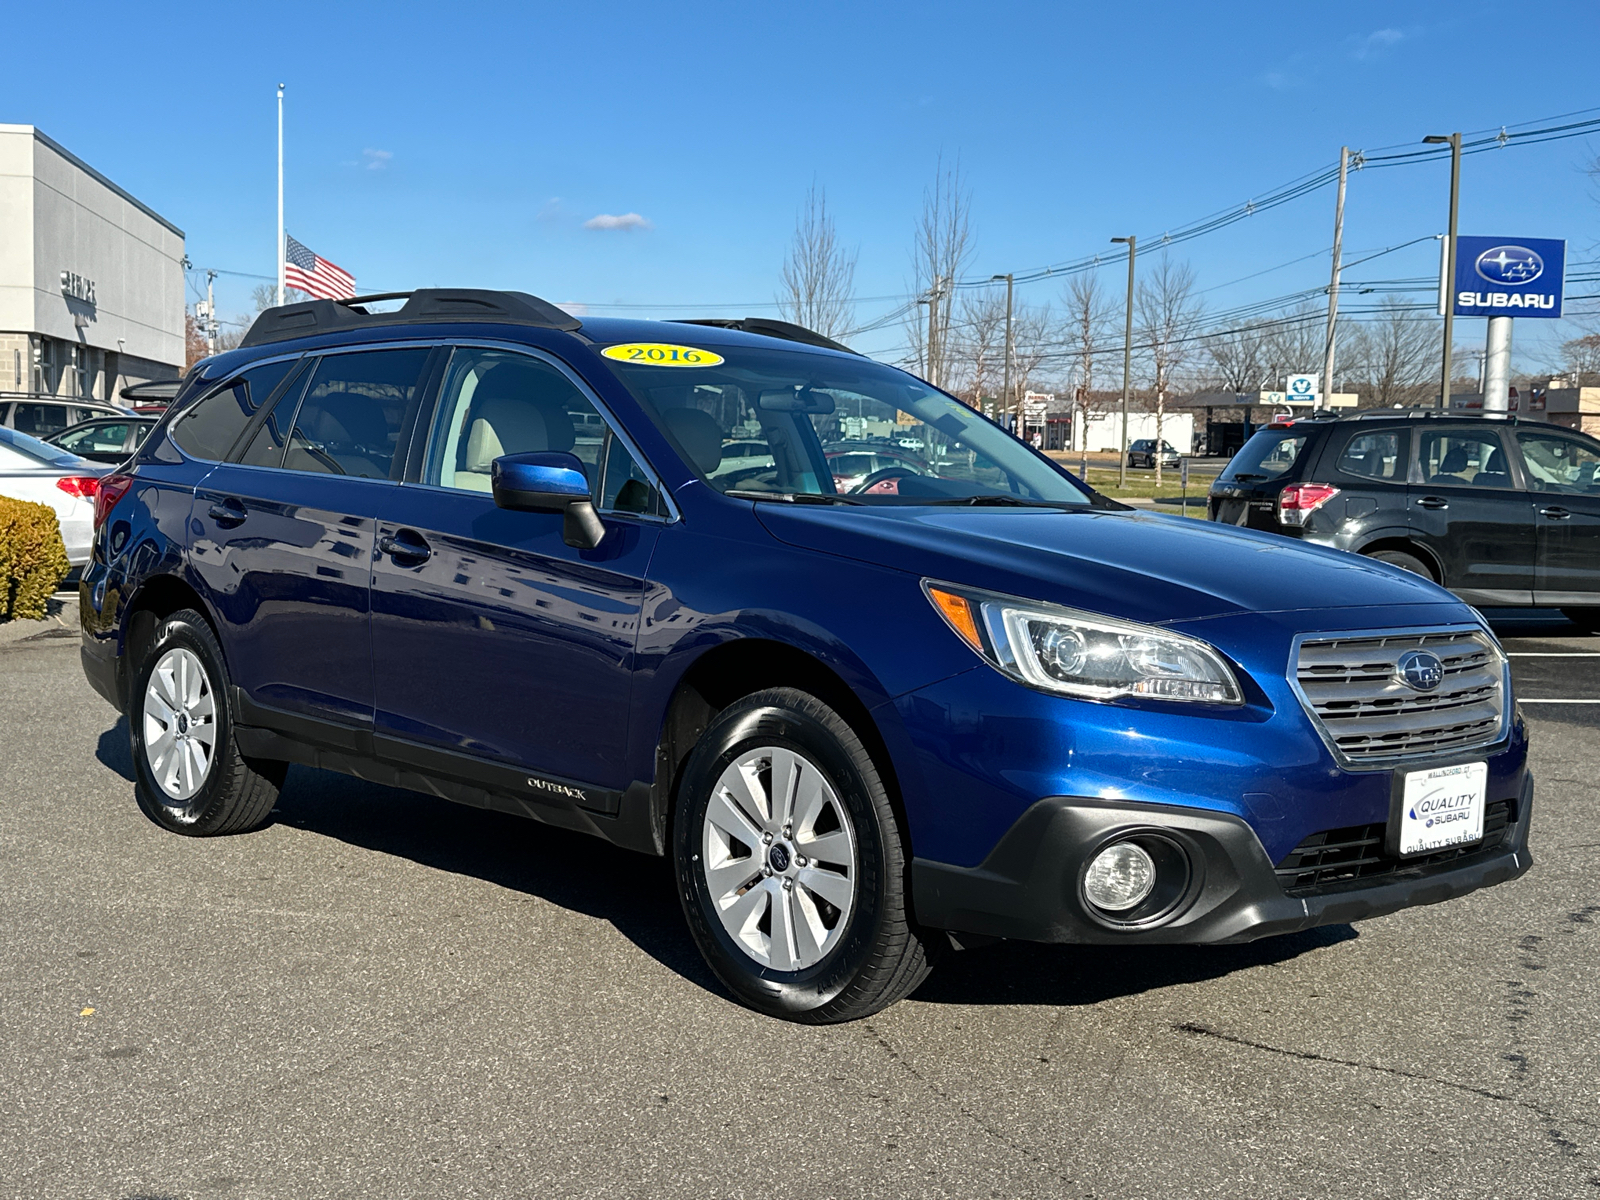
{"x": 180, "y": 724}
{"x": 778, "y": 853}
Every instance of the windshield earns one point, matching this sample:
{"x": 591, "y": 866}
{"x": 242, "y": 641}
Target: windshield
{"x": 792, "y": 424}
{"x": 39, "y": 453}
{"x": 1267, "y": 455}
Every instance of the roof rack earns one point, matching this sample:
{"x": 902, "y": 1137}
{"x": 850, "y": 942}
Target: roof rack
{"x": 422, "y": 305}
{"x": 767, "y": 327}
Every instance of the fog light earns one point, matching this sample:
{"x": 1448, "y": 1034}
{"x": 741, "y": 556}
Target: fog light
{"x": 1120, "y": 877}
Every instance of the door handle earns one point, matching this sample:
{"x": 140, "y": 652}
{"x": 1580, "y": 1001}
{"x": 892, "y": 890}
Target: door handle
{"x": 408, "y": 549}
{"x": 1433, "y": 502}
{"x": 227, "y": 513}
{"x": 1555, "y": 512}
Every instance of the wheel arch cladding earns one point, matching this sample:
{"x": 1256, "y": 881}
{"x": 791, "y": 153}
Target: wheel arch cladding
{"x": 740, "y": 667}
{"x": 158, "y": 598}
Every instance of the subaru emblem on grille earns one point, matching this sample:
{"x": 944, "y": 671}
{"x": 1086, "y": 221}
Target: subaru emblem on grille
{"x": 1420, "y": 669}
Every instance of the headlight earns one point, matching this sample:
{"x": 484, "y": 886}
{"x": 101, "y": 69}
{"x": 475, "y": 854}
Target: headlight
{"x": 1082, "y": 654}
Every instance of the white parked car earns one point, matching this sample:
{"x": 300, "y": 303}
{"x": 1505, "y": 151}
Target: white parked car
{"x": 31, "y": 470}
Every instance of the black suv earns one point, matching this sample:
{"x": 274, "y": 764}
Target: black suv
{"x": 1500, "y": 511}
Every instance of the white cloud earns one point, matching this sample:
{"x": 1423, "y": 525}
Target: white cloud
{"x": 377, "y": 160}
{"x": 1376, "y": 42}
{"x": 623, "y": 221}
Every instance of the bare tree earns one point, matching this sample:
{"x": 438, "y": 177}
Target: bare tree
{"x": 1032, "y": 334}
{"x": 262, "y": 297}
{"x": 1088, "y": 315}
{"x": 819, "y": 275}
{"x": 1169, "y": 314}
{"x": 1239, "y": 358}
{"x": 978, "y": 346}
{"x": 1398, "y": 355}
{"x": 1294, "y": 341}
{"x": 1580, "y": 359}
{"x": 942, "y": 248}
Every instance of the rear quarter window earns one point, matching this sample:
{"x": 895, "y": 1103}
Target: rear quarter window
{"x": 1376, "y": 455}
{"x": 1269, "y": 454}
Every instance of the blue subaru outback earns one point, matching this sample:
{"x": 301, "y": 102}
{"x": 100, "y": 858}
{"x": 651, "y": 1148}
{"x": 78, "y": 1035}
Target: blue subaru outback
{"x": 878, "y": 677}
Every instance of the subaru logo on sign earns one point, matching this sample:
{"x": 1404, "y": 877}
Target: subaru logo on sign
{"x": 1420, "y": 670}
{"x": 1510, "y": 264}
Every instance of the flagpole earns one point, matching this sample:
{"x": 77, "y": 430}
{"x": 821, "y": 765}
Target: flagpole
{"x": 280, "y": 194}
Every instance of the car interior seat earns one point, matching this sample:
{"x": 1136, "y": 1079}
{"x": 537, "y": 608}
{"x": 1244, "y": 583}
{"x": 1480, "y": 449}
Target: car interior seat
{"x": 343, "y": 433}
{"x": 512, "y": 412}
{"x": 699, "y": 435}
{"x": 1494, "y": 472}
{"x": 1453, "y": 467}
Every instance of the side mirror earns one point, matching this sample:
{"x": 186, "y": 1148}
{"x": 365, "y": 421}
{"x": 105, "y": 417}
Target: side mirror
{"x": 549, "y": 482}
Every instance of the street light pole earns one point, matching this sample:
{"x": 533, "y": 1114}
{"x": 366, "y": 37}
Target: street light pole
{"x": 1454, "y": 142}
{"x": 1127, "y": 361}
{"x": 1005, "y": 394}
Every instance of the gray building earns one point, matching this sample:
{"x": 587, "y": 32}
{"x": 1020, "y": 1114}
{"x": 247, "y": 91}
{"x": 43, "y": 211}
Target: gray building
{"x": 91, "y": 280}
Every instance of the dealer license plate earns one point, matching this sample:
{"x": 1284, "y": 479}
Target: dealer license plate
{"x": 1442, "y": 808}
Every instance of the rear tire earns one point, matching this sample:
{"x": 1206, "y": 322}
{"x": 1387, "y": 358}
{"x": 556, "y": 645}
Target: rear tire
{"x": 1406, "y": 562}
{"x": 1586, "y": 619}
{"x": 189, "y": 776}
{"x": 800, "y": 905}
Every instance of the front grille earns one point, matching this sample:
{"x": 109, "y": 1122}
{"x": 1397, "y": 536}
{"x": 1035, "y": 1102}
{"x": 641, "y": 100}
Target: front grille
{"x": 1351, "y": 686}
{"x": 1339, "y": 856}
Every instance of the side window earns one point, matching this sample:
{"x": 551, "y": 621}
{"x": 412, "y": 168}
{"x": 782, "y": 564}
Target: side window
{"x": 96, "y": 439}
{"x": 1463, "y": 458}
{"x": 1377, "y": 456}
{"x": 348, "y": 422}
{"x": 209, "y": 429}
{"x": 497, "y": 402}
{"x": 40, "y": 420}
{"x": 1559, "y": 464}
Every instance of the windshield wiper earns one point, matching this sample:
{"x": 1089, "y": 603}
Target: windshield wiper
{"x": 1000, "y": 500}
{"x": 794, "y": 497}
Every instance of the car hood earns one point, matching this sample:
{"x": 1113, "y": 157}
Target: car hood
{"x": 1141, "y": 566}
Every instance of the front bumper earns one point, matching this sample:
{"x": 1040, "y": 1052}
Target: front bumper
{"x": 1028, "y": 886}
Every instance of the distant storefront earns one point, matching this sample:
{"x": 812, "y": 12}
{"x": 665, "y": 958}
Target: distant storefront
{"x": 91, "y": 280}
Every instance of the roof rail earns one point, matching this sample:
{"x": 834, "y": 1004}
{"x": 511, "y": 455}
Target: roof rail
{"x": 767, "y": 327}
{"x": 422, "y": 305}
{"x": 1419, "y": 413}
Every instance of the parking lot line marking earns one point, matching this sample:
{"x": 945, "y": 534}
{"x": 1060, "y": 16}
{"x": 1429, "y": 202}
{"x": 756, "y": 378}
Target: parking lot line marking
{"x": 1527, "y": 700}
{"x": 1551, "y": 654}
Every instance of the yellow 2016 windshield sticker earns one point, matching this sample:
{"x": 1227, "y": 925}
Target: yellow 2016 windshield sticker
{"x": 662, "y": 354}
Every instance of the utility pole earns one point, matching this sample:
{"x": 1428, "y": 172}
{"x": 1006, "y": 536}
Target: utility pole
{"x": 1333, "y": 286}
{"x": 1454, "y": 142}
{"x": 1005, "y": 390}
{"x": 933, "y": 331}
{"x": 1127, "y": 363}
{"x": 279, "y": 252}
{"x": 211, "y": 312}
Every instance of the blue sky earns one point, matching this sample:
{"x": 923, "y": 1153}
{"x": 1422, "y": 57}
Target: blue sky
{"x": 469, "y": 144}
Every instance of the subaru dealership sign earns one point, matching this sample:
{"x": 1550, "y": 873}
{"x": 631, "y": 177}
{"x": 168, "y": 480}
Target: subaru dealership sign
{"x": 1509, "y": 277}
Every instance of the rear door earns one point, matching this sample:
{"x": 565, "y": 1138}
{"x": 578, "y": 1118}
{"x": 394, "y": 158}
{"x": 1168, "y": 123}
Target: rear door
{"x": 492, "y": 637}
{"x": 1369, "y": 467}
{"x": 1562, "y": 472}
{"x": 284, "y": 535}
{"x": 1466, "y": 509}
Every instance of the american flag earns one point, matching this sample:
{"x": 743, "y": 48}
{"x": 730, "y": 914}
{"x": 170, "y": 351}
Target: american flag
{"x": 314, "y": 275}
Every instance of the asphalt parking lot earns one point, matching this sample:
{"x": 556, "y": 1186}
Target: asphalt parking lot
{"x": 385, "y": 995}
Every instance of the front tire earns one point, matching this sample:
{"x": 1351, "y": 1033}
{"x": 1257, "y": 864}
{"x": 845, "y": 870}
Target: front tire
{"x": 189, "y": 776}
{"x": 791, "y": 864}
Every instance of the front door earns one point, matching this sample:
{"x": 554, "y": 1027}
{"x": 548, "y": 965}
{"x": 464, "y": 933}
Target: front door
{"x": 1465, "y": 508}
{"x": 492, "y": 638}
{"x": 1563, "y": 475}
{"x": 284, "y": 539}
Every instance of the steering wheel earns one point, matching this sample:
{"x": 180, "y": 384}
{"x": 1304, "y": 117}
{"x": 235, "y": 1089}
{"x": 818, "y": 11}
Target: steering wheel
{"x": 881, "y": 475}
